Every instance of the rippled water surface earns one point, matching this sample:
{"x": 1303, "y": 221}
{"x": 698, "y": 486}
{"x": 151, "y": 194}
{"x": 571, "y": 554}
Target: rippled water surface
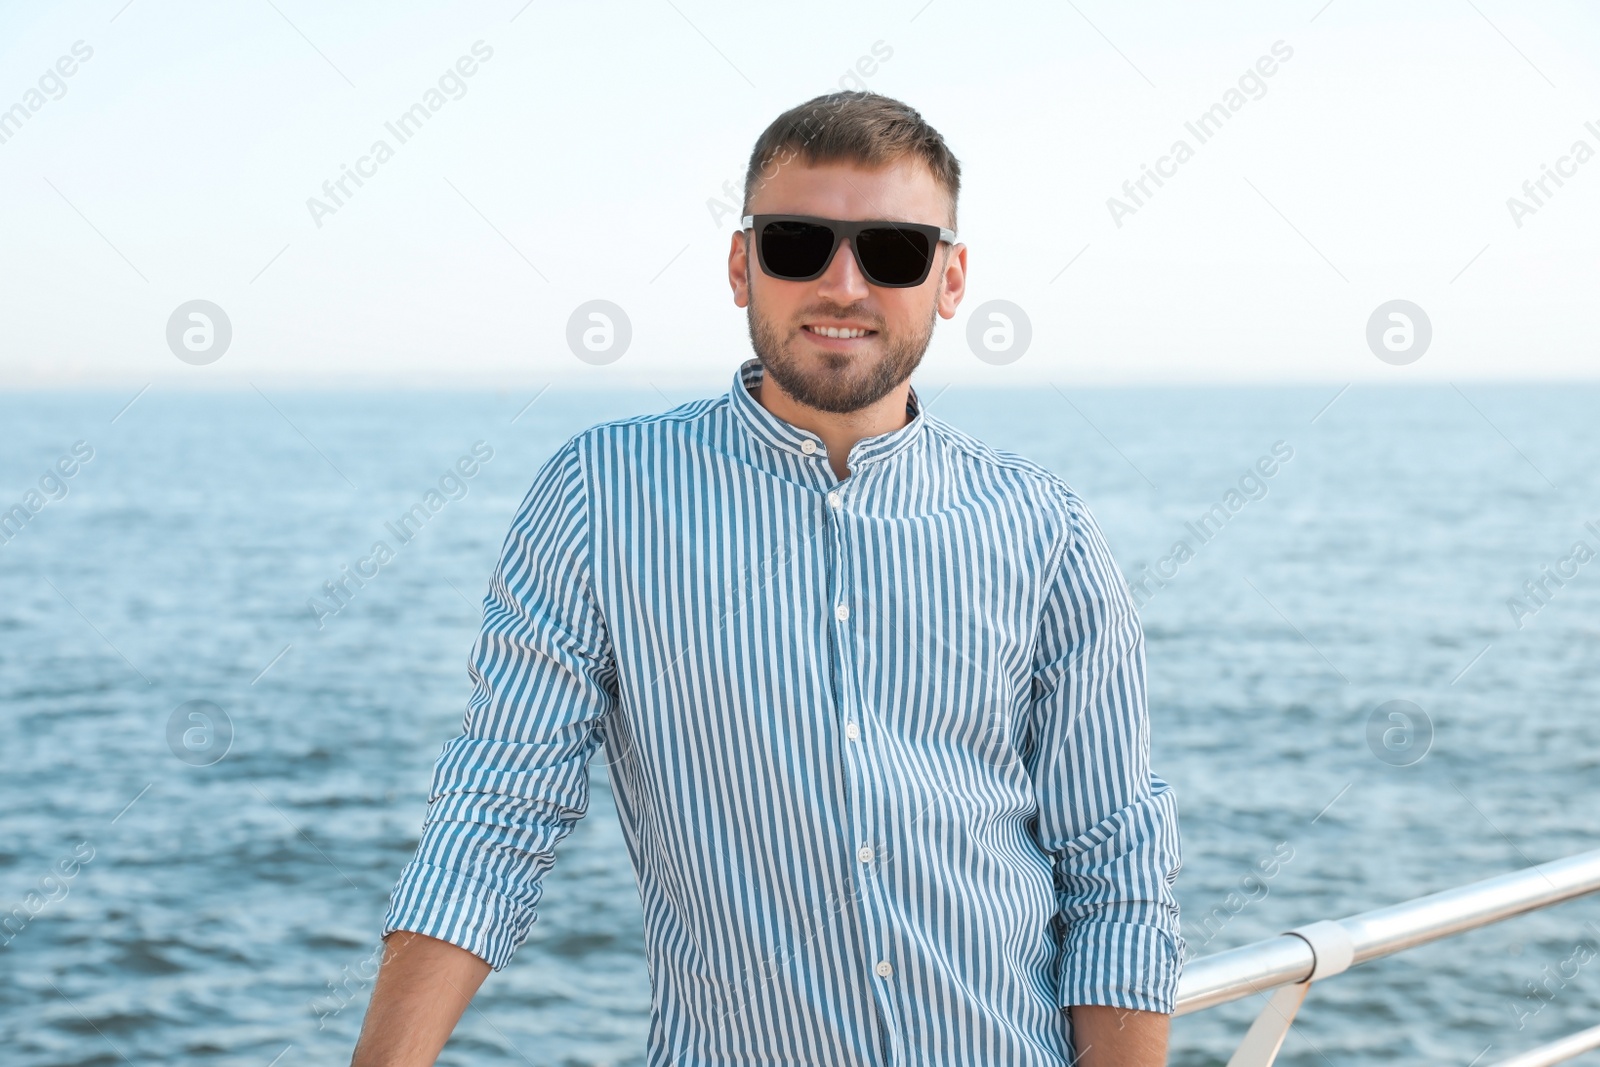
{"x": 166, "y": 912}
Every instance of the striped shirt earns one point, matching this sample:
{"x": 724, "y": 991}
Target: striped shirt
{"x": 879, "y": 745}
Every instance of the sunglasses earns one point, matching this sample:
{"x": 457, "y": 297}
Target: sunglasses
{"x": 799, "y": 248}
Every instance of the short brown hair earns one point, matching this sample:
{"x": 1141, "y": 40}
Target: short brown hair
{"x": 853, "y": 127}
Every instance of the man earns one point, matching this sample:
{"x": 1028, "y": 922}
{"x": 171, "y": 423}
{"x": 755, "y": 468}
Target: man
{"x": 871, "y": 692}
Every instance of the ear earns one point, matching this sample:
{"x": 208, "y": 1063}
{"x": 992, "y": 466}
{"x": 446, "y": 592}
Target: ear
{"x": 953, "y": 283}
{"x": 739, "y": 268}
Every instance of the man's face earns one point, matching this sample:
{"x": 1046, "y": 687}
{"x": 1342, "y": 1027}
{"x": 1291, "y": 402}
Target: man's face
{"x": 842, "y": 375}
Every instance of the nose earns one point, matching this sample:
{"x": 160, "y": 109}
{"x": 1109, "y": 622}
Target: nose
{"x": 843, "y": 283}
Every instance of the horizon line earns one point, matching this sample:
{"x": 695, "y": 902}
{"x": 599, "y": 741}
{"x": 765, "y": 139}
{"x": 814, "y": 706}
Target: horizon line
{"x": 719, "y": 385}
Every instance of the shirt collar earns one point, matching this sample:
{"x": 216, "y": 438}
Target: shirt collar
{"x": 775, "y": 433}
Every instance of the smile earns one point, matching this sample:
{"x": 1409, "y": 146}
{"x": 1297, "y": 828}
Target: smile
{"x": 838, "y": 332}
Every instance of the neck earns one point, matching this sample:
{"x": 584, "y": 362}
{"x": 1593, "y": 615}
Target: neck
{"x": 839, "y": 432}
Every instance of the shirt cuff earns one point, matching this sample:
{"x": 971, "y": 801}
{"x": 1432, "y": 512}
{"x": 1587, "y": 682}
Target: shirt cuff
{"x": 1121, "y": 965}
{"x": 452, "y": 907}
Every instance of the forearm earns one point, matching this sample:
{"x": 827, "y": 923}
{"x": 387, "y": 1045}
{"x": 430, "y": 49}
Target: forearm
{"x": 1104, "y": 1036}
{"x": 423, "y": 987}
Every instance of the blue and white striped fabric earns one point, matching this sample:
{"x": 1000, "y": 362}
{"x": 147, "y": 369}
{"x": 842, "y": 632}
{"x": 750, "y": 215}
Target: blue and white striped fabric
{"x": 879, "y": 746}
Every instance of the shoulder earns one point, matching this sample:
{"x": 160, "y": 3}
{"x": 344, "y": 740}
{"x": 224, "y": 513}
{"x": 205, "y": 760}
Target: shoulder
{"x": 567, "y": 471}
{"x": 1032, "y": 482}
{"x": 620, "y": 437}
{"x": 687, "y": 419}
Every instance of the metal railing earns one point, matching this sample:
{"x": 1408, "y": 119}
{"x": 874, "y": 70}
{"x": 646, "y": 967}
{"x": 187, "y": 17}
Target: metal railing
{"x": 1289, "y": 963}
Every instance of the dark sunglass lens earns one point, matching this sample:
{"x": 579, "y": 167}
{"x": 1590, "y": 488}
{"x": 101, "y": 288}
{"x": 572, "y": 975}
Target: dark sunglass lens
{"x": 892, "y": 255}
{"x": 795, "y": 249}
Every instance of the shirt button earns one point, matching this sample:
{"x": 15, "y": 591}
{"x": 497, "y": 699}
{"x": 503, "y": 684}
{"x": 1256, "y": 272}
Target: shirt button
{"x": 852, "y": 731}
{"x": 864, "y": 853}
{"x": 842, "y": 612}
{"x": 835, "y": 499}
{"x": 808, "y": 446}
{"x": 883, "y": 969}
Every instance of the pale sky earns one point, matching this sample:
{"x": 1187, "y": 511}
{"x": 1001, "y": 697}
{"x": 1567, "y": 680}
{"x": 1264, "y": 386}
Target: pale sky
{"x": 578, "y": 162}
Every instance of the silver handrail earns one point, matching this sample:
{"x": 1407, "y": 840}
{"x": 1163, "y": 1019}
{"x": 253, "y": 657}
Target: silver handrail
{"x": 1556, "y": 1051}
{"x": 1239, "y": 972}
{"x": 1289, "y": 963}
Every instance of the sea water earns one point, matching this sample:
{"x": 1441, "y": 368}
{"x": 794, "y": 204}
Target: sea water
{"x": 1310, "y": 562}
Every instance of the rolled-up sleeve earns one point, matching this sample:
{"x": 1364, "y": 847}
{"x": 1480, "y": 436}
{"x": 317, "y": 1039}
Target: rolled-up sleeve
{"x": 515, "y": 781}
{"x": 1109, "y": 825}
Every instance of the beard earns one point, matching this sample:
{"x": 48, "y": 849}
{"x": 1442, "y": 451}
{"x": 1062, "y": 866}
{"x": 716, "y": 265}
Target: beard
{"x": 842, "y": 383}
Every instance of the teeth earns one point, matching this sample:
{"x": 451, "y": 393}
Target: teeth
{"x": 831, "y": 331}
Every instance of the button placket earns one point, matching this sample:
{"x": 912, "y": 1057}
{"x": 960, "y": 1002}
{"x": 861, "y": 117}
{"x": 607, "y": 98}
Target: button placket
{"x": 836, "y": 501}
{"x": 858, "y": 767}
